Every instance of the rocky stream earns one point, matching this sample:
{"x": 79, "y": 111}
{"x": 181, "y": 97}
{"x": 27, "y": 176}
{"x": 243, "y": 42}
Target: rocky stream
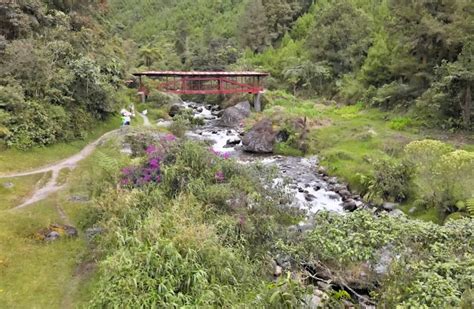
{"x": 311, "y": 187}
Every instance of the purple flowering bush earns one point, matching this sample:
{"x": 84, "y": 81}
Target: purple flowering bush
{"x": 149, "y": 171}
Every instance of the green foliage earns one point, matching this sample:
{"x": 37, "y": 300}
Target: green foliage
{"x": 391, "y": 181}
{"x": 55, "y": 85}
{"x": 191, "y": 240}
{"x": 287, "y": 150}
{"x": 400, "y": 123}
{"x": 180, "y": 124}
{"x": 430, "y": 264}
{"x": 443, "y": 176}
{"x": 285, "y": 293}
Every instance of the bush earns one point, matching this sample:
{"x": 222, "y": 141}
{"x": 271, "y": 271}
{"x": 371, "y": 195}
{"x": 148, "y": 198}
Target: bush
{"x": 427, "y": 263}
{"x": 443, "y": 176}
{"x": 400, "y": 123}
{"x": 180, "y": 125}
{"x": 391, "y": 181}
{"x": 158, "y": 99}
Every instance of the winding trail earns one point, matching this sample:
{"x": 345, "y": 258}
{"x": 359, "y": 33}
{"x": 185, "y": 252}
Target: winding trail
{"x": 146, "y": 121}
{"x": 52, "y": 186}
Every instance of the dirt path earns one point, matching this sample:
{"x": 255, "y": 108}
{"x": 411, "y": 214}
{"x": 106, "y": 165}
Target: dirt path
{"x": 52, "y": 186}
{"x": 146, "y": 121}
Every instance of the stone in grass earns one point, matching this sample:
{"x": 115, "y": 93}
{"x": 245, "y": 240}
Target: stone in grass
{"x": 56, "y": 231}
{"x": 93, "y": 232}
{"x": 8, "y": 185}
{"x": 52, "y": 236}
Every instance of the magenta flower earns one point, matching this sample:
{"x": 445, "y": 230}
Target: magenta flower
{"x": 127, "y": 170}
{"x": 169, "y": 137}
{"x": 226, "y": 155}
{"x": 154, "y": 163}
{"x": 151, "y": 149}
{"x": 219, "y": 176}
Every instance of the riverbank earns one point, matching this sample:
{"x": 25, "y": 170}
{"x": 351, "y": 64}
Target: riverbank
{"x": 351, "y": 140}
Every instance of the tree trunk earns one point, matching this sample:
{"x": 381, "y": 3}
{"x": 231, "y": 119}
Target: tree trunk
{"x": 466, "y": 107}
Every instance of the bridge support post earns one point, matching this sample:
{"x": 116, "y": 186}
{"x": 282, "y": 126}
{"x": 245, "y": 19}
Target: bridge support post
{"x": 257, "y": 105}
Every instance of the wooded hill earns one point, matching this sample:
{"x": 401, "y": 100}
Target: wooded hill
{"x": 408, "y": 55}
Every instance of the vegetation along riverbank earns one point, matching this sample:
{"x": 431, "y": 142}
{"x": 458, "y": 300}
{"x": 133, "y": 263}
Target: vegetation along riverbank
{"x": 353, "y": 187}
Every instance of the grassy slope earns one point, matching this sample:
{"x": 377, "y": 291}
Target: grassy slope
{"x": 17, "y": 160}
{"x": 36, "y": 274}
{"x": 358, "y": 136}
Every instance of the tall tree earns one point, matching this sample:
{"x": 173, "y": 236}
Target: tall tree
{"x": 253, "y": 31}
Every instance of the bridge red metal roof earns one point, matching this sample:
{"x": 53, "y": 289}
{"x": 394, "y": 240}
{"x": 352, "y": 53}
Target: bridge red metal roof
{"x": 200, "y": 73}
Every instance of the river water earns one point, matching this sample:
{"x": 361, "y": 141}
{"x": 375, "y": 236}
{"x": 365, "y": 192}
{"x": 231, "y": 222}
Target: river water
{"x": 311, "y": 191}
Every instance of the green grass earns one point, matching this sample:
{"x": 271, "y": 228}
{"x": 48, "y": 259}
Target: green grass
{"x": 22, "y": 187}
{"x": 36, "y": 274}
{"x": 17, "y": 160}
{"x": 356, "y": 137}
{"x": 286, "y": 150}
{"x": 353, "y": 139}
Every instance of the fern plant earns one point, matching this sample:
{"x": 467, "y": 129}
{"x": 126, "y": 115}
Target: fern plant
{"x": 470, "y": 206}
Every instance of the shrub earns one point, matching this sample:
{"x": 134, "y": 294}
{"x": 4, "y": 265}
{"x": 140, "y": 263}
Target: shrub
{"x": 180, "y": 125}
{"x": 390, "y": 181}
{"x": 400, "y": 123}
{"x": 443, "y": 176}
{"x": 426, "y": 262}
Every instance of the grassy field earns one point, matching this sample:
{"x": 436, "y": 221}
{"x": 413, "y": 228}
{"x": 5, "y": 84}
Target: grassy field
{"x": 14, "y": 190}
{"x": 34, "y": 273}
{"x": 17, "y": 160}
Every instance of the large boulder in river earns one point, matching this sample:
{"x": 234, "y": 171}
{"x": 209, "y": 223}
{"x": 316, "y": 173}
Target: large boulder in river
{"x": 260, "y": 138}
{"x": 232, "y": 116}
{"x": 175, "y": 109}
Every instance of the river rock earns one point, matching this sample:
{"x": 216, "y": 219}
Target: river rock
{"x": 389, "y": 206}
{"x": 261, "y": 138}
{"x": 278, "y": 271}
{"x": 322, "y": 171}
{"x": 397, "y": 213}
{"x": 349, "y": 205}
{"x": 233, "y": 141}
{"x": 333, "y": 196}
{"x": 345, "y": 194}
{"x": 233, "y": 116}
{"x": 174, "y": 110}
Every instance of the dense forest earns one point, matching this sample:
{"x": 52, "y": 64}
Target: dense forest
{"x": 368, "y": 108}
{"x": 415, "y": 56}
{"x": 59, "y": 70}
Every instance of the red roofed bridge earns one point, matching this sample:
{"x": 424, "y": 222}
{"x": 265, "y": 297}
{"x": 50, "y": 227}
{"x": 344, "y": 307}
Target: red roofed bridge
{"x": 200, "y": 82}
